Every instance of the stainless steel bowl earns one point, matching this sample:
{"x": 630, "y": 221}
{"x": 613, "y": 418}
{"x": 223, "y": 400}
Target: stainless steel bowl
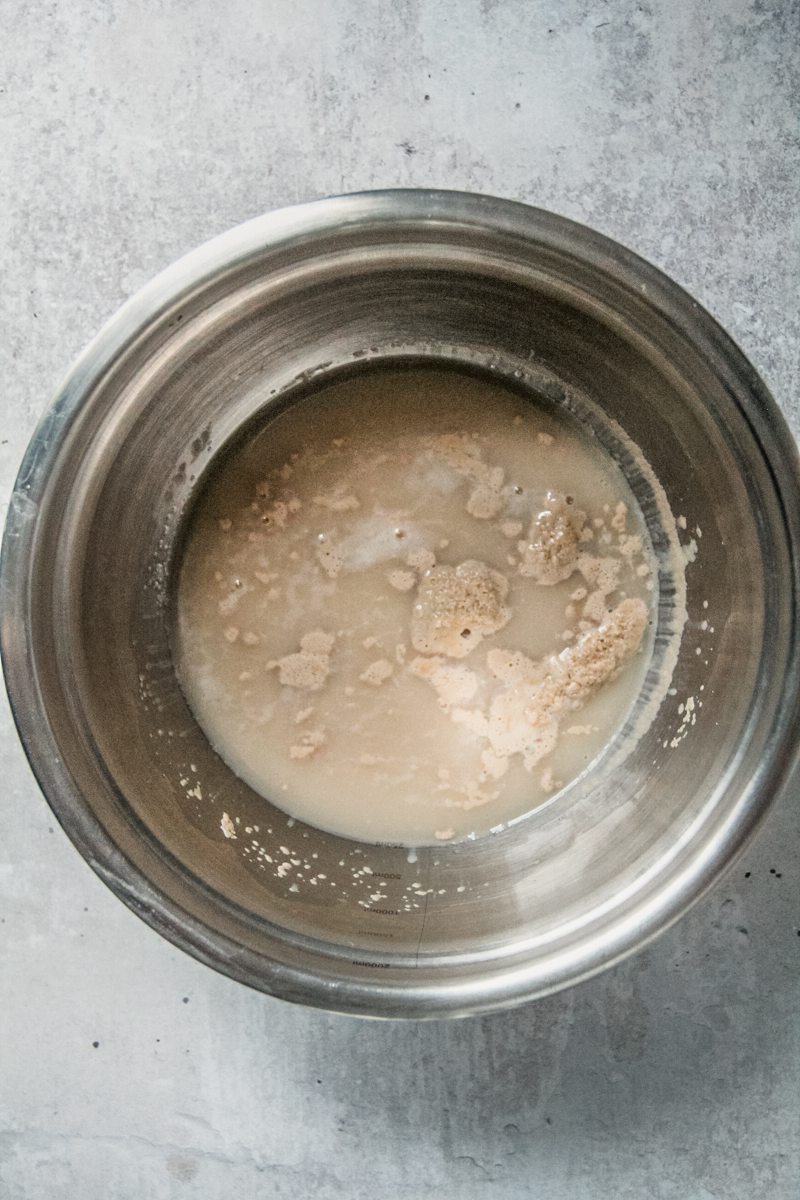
{"x": 236, "y": 329}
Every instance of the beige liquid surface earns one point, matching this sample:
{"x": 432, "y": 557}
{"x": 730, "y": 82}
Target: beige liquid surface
{"x": 414, "y": 606}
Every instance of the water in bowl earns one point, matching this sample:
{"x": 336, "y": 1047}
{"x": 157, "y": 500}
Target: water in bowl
{"x": 414, "y": 605}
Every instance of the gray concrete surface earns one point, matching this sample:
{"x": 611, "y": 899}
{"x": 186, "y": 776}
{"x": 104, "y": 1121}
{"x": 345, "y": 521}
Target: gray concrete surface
{"x": 131, "y": 131}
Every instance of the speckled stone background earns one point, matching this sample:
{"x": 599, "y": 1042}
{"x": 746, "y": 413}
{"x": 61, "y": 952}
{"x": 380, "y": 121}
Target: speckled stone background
{"x": 131, "y": 131}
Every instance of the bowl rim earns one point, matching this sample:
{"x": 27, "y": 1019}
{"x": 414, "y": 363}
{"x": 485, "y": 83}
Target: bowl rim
{"x": 285, "y": 228}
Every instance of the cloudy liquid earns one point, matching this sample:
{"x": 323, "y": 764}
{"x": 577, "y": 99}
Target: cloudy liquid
{"x": 413, "y": 606}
